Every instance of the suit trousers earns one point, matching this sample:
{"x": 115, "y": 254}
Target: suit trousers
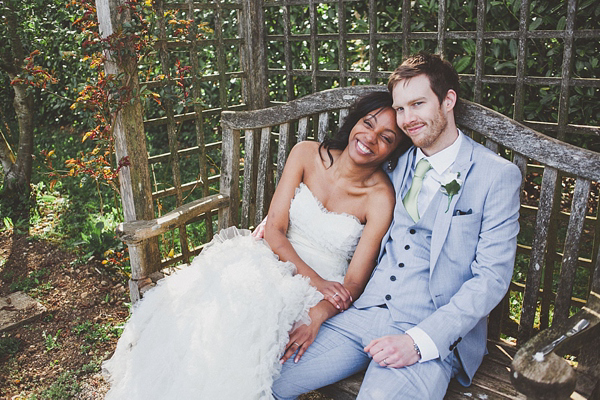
{"x": 338, "y": 352}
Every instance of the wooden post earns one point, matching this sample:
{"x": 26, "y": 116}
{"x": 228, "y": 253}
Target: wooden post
{"x": 130, "y": 144}
{"x": 254, "y": 56}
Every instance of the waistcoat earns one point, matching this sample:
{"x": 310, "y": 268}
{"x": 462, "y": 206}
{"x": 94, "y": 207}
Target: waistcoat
{"x": 401, "y": 279}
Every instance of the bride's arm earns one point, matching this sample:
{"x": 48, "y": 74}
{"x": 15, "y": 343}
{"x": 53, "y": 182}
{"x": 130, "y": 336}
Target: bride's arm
{"x": 379, "y": 217}
{"x": 278, "y": 220}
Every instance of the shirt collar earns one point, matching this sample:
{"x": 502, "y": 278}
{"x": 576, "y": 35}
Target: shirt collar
{"x": 443, "y": 159}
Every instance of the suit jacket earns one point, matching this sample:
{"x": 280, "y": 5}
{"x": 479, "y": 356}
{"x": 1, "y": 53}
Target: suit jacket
{"x": 473, "y": 247}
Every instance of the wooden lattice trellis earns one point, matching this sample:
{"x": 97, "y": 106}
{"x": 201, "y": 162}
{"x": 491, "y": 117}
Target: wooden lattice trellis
{"x": 243, "y": 37}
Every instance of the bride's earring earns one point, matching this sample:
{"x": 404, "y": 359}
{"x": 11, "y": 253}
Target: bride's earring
{"x": 389, "y": 166}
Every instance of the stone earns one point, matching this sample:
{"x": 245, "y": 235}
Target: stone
{"x": 17, "y": 309}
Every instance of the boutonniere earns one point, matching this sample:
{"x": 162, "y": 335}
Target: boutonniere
{"x": 450, "y": 185}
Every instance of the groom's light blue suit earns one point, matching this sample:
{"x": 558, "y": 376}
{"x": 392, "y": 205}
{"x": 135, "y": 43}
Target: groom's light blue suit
{"x": 471, "y": 246}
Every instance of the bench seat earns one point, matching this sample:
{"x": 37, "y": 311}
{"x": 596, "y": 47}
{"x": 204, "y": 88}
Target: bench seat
{"x": 492, "y": 381}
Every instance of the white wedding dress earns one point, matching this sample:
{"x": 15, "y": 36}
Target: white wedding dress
{"x": 216, "y": 329}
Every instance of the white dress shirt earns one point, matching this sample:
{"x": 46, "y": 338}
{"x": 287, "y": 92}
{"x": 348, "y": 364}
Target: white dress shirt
{"x": 441, "y": 162}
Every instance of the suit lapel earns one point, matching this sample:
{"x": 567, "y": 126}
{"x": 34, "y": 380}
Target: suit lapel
{"x": 444, "y": 215}
{"x": 398, "y": 177}
{"x": 400, "y": 180}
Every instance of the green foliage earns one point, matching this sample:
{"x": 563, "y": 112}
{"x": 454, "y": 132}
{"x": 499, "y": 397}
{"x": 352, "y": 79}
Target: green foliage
{"x": 97, "y": 333}
{"x": 31, "y": 281}
{"x": 65, "y": 387}
{"x": 9, "y": 346}
{"x": 51, "y": 341}
{"x": 47, "y": 26}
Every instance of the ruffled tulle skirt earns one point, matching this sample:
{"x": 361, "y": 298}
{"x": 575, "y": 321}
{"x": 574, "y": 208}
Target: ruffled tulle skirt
{"x": 213, "y": 330}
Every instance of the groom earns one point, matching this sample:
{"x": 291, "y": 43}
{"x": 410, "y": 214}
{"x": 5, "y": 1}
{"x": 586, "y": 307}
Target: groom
{"x": 444, "y": 264}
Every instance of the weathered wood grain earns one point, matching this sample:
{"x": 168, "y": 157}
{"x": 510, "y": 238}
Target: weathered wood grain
{"x": 323, "y": 126}
{"x": 283, "y": 149}
{"x": 327, "y": 100}
{"x": 263, "y": 170}
{"x": 550, "y": 376}
{"x": 230, "y": 177}
{"x": 134, "y": 232}
{"x": 248, "y": 190}
{"x": 492, "y": 380}
{"x": 302, "y": 129}
{"x": 135, "y": 184}
{"x": 532, "y": 144}
{"x": 572, "y": 241}
{"x": 538, "y": 251}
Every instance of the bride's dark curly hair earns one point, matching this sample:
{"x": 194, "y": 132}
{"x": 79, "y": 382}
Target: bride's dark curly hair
{"x": 361, "y": 107}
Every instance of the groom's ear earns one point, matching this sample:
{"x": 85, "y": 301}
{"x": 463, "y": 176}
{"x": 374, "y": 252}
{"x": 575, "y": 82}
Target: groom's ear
{"x": 450, "y": 100}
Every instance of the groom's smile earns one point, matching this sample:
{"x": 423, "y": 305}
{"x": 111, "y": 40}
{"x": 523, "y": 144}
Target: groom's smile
{"x": 421, "y": 116}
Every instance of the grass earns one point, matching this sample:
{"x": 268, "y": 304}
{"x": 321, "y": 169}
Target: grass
{"x": 96, "y": 333}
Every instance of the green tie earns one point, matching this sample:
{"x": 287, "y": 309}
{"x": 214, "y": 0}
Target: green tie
{"x": 410, "y": 200}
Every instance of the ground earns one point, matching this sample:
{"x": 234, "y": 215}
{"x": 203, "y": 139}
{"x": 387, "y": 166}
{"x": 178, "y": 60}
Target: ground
{"x": 59, "y": 355}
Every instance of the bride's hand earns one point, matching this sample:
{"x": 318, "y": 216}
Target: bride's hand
{"x": 300, "y": 339}
{"x": 335, "y": 293}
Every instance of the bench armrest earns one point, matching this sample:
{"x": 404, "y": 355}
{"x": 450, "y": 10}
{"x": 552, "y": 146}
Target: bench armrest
{"x": 550, "y": 376}
{"x": 133, "y": 232}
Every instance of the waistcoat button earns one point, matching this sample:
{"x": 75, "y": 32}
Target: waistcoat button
{"x": 388, "y": 297}
{"x": 392, "y": 278}
{"x": 407, "y": 247}
{"x": 401, "y": 265}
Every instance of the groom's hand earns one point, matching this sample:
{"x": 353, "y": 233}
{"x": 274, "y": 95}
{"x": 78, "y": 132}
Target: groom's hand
{"x": 394, "y": 351}
{"x": 259, "y": 231}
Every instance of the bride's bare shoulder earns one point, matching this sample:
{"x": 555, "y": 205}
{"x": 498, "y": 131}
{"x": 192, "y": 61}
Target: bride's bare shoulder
{"x": 309, "y": 153}
{"x": 382, "y": 191}
{"x": 306, "y": 147}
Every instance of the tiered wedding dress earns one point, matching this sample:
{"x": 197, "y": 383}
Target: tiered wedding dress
{"x": 216, "y": 329}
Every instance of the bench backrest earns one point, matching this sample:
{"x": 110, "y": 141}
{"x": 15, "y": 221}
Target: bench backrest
{"x": 269, "y": 134}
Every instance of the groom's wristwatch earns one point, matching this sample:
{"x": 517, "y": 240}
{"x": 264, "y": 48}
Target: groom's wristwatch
{"x": 417, "y": 350}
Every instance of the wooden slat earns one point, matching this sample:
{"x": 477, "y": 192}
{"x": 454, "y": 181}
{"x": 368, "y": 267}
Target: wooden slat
{"x": 287, "y": 50}
{"x": 248, "y": 189}
{"x": 323, "y": 125}
{"x": 479, "y": 51}
{"x": 511, "y": 134}
{"x": 342, "y": 56}
{"x": 263, "y": 170}
{"x": 314, "y": 52}
{"x": 136, "y": 231}
{"x": 230, "y": 177}
{"x": 199, "y": 120}
{"x": 521, "y": 161}
{"x": 492, "y": 145}
{"x": 165, "y": 62}
{"x": 538, "y": 252}
{"x": 343, "y": 115}
{"x": 372, "y": 42}
{"x": 572, "y": 241}
{"x": 302, "y": 129}
{"x": 327, "y": 100}
{"x": 492, "y": 380}
{"x": 282, "y": 149}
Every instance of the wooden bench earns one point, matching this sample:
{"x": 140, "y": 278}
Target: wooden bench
{"x": 268, "y": 135}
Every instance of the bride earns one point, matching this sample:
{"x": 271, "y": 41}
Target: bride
{"x": 220, "y": 328}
